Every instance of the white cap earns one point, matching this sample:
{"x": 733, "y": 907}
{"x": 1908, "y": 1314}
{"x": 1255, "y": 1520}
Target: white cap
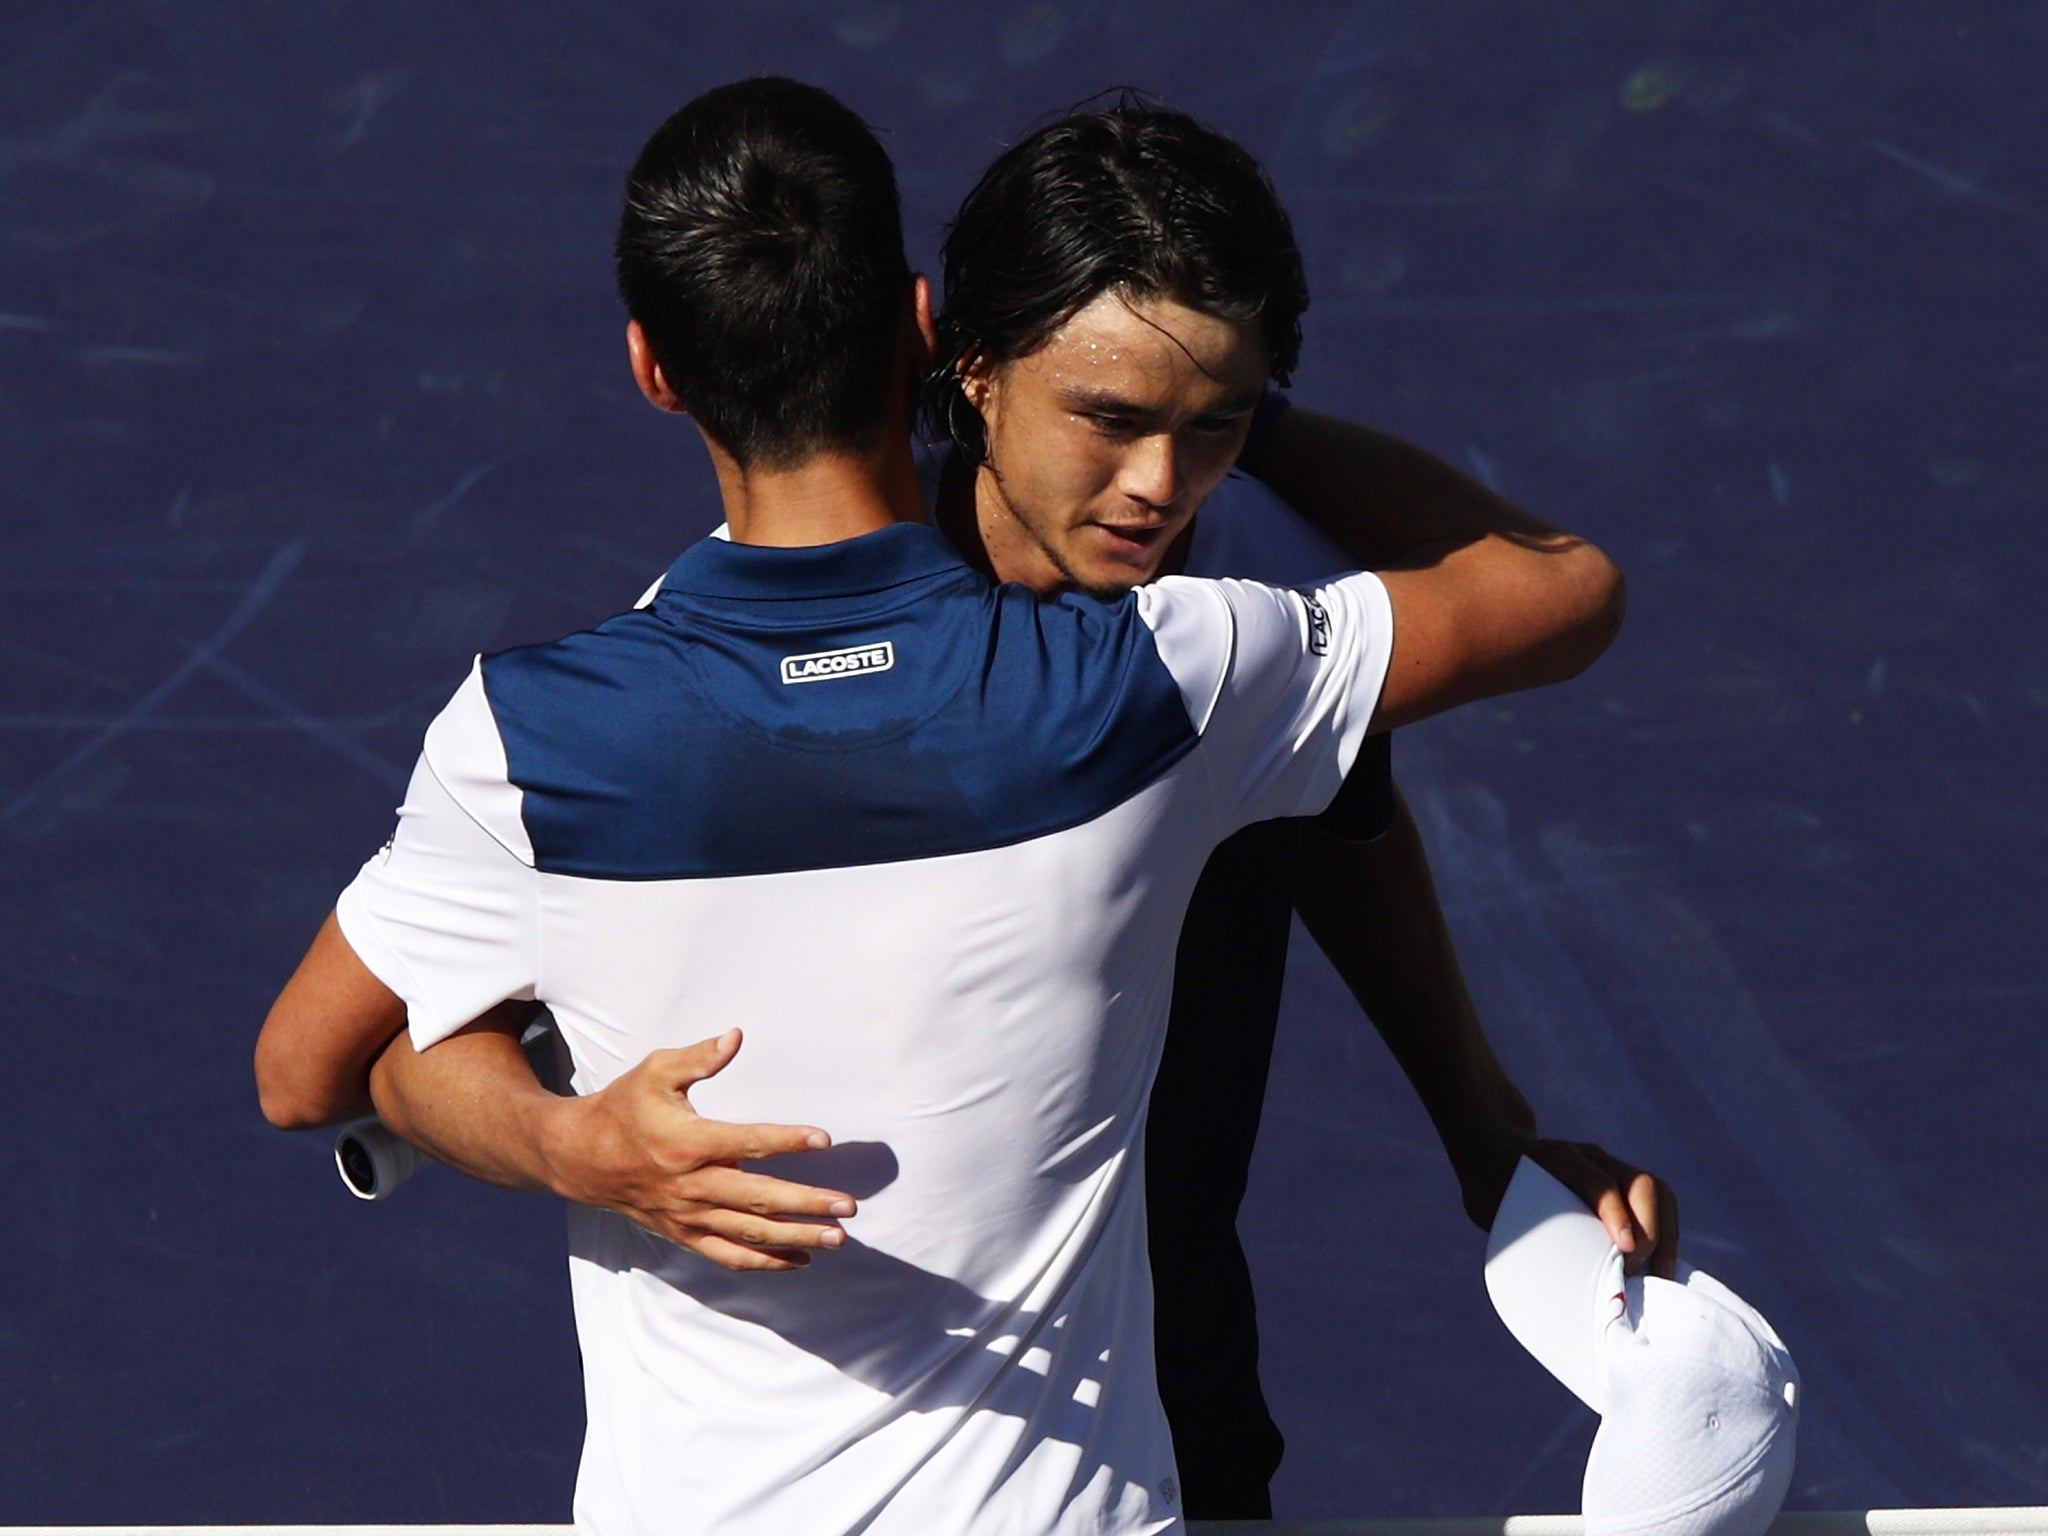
{"x": 1698, "y": 1400}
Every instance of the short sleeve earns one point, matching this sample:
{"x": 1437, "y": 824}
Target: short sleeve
{"x": 1280, "y": 684}
{"x": 446, "y": 914}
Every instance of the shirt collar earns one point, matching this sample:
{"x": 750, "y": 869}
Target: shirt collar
{"x": 890, "y": 557}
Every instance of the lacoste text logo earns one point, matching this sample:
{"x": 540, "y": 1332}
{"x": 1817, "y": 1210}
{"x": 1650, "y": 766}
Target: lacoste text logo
{"x": 852, "y": 661}
{"x": 1318, "y": 624}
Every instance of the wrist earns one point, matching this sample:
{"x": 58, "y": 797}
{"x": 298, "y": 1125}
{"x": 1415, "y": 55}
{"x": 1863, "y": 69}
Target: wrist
{"x": 1488, "y": 1131}
{"x": 561, "y": 1132}
{"x": 1483, "y": 1156}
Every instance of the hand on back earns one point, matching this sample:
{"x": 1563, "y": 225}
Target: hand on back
{"x": 642, "y": 1150}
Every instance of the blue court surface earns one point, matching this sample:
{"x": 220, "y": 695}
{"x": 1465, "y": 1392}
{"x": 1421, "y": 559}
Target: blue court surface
{"x": 312, "y": 385}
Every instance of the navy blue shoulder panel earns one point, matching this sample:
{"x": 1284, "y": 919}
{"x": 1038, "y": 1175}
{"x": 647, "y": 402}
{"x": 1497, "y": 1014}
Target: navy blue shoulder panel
{"x": 708, "y": 737}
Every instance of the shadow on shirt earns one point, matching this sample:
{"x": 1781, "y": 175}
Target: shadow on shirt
{"x": 923, "y": 1338}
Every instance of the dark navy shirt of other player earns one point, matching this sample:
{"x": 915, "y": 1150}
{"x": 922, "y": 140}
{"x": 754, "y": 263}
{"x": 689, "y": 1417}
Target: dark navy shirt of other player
{"x": 668, "y": 744}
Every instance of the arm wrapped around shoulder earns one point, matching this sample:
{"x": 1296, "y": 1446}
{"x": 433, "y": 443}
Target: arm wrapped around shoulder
{"x": 1496, "y": 614}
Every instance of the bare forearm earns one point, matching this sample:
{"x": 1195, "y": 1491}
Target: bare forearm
{"x": 635, "y": 1147}
{"x": 474, "y": 1102}
{"x": 1373, "y": 909}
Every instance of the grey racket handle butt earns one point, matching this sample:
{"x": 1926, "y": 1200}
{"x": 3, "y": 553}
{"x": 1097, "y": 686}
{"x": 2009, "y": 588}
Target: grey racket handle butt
{"x": 373, "y": 1161}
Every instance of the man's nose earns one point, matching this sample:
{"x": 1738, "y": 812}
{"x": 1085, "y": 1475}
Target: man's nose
{"x": 1152, "y": 471}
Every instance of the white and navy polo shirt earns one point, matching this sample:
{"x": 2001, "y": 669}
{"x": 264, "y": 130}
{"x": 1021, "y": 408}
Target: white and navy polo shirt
{"x": 928, "y": 841}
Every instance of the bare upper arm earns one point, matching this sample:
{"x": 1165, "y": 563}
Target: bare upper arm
{"x": 1487, "y": 597}
{"x": 325, "y": 1029}
{"x": 1494, "y": 615}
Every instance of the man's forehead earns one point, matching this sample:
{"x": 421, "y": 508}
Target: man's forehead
{"x": 1115, "y": 333}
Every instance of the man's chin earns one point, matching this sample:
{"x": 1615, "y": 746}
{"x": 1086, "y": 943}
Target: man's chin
{"x": 1110, "y": 579}
{"x": 1108, "y": 593}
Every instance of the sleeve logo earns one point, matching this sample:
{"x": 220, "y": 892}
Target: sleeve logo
{"x": 850, "y": 661}
{"x": 1318, "y": 624}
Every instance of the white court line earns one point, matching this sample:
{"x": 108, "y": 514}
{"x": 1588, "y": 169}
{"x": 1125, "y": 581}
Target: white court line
{"x": 2005, "y": 1520}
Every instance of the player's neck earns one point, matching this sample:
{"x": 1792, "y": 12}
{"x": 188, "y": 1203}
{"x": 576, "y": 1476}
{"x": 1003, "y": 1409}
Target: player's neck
{"x": 957, "y": 515}
{"x": 826, "y": 498}
{"x": 969, "y": 511}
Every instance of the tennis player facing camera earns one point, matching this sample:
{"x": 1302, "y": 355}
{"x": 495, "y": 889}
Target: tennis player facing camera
{"x": 987, "y": 845}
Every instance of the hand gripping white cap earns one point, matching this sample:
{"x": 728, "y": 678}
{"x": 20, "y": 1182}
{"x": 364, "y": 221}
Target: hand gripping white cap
{"x": 1698, "y": 1400}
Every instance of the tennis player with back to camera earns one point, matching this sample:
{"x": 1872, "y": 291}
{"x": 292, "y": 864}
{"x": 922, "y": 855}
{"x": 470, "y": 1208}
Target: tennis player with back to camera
{"x": 1202, "y": 364}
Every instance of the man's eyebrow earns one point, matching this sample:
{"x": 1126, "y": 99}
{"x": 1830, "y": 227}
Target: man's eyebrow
{"x": 1079, "y": 397}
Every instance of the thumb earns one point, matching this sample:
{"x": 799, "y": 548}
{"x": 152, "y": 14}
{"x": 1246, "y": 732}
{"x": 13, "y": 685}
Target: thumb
{"x": 1601, "y": 1181}
{"x": 1613, "y": 1209}
{"x": 690, "y": 1064}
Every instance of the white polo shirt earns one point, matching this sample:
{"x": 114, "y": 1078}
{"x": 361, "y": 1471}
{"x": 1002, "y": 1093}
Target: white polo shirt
{"x": 929, "y": 842}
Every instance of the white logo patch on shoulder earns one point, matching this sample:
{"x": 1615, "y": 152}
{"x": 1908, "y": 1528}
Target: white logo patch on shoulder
{"x": 849, "y": 661}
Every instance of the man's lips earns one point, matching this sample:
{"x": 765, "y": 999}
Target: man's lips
{"x": 1133, "y": 535}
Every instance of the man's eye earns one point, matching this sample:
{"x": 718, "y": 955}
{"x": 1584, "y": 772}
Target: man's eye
{"x": 1218, "y": 426}
{"x": 1111, "y": 425}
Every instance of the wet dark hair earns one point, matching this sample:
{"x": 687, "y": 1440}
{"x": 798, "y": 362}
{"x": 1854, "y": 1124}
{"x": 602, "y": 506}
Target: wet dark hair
{"x": 761, "y": 250}
{"x": 1128, "y": 196}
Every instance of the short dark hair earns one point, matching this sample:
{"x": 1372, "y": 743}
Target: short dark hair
{"x": 761, "y": 250}
{"x": 1128, "y": 196}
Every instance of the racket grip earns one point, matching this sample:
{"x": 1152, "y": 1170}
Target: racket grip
{"x": 373, "y": 1161}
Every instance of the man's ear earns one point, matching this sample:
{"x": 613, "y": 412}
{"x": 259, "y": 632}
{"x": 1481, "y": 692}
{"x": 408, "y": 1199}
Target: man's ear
{"x": 647, "y": 371}
{"x": 927, "y": 350}
{"x": 976, "y": 379}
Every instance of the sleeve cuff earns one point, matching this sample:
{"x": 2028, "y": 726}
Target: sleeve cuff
{"x": 425, "y": 1023}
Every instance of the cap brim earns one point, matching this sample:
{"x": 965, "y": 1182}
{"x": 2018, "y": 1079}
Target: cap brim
{"x": 1555, "y": 1278}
